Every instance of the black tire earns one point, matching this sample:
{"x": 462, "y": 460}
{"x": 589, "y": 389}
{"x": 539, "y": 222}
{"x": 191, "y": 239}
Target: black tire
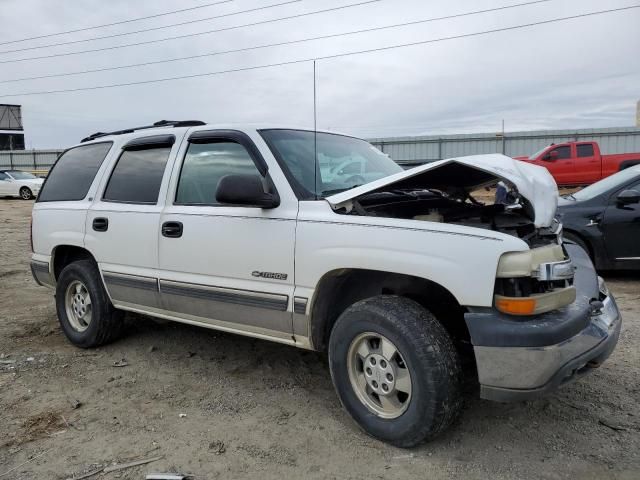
{"x": 26, "y": 193}
{"x": 106, "y": 322}
{"x": 429, "y": 355}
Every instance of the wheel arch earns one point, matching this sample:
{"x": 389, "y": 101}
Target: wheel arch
{"x": 63, "y": 255}
{"x": 338, "y": 289}
{"x": 574, "y": 233}
{"x": 628, "y": 163}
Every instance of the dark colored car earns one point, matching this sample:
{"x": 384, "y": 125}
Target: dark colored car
{"x": 604, "y": 219}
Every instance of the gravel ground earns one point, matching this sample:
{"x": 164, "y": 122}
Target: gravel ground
{"x": 222, "y": 406}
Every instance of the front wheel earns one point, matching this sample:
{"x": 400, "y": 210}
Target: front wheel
{"x": 395, "y": 369}
{"x": 25, "y": 193}
{"x": 85, "y": 312}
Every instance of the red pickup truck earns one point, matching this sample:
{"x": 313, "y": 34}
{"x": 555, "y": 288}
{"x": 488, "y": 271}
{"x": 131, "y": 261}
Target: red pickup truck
{"x": 580, "y": 163}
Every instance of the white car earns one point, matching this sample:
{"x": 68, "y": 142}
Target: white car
{"x": 398, "y": 280}
{"x": 16, "y": 183}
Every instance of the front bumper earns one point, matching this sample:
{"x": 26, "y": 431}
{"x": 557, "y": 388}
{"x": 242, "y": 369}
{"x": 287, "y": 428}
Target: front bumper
{"x": 519, "y": 358}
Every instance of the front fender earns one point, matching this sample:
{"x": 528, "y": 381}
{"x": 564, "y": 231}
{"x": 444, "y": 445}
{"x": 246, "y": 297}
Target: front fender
{"x": 461, "y": 259}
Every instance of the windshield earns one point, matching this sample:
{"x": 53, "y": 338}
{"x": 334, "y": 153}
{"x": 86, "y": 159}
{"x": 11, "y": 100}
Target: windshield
{"x": 607, "y": 184}
{"x": 343, "y": 162}
{"x": 18, "y": 175}
{"x": 537, "y": 154}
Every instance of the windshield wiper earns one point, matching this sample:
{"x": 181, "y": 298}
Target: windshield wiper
{"x": 325, "y": 193}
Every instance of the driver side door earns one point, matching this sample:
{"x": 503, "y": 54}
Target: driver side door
{"x": 563, "y": 167}
{"x": 224, "y": 265}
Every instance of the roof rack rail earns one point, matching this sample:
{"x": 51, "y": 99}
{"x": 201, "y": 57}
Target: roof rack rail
{"x": 161, "y": 123}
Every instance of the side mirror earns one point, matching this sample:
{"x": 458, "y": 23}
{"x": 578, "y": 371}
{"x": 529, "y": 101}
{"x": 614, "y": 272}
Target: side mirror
{"x": 551, "y": 156}
{"x": 245, "y": 190}
{"x": 628, "y": 197}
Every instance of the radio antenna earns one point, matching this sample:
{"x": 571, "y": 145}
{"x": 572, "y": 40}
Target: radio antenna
{"x": 316, "y": 166}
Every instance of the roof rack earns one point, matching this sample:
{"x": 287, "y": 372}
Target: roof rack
{"x": 161, "y": 123}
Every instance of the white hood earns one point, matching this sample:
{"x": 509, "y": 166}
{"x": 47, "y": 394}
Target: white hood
{"x": 534, "y": 183}
{"x": 34, "y": 181}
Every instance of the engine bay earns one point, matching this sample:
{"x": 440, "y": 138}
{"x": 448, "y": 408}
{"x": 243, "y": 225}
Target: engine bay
{"x": 456, "y": 207}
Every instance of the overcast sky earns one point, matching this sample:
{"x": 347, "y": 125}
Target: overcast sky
{"x": 580, "y": 73}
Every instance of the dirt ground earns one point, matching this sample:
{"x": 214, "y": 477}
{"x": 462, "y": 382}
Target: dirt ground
{"x": 223, "y": 406}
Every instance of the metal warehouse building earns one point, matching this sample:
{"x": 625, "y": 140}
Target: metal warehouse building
{"x": 417, "y": 150}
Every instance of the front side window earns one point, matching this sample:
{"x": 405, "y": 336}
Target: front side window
{"x": 321, "y": 164}
{"x": 73, "y": 173}
{"x": 4, "y": 176}
{"x": 137, "y": 176}
{"x": 205, "y": 164}
{"x": 563, "y": 152}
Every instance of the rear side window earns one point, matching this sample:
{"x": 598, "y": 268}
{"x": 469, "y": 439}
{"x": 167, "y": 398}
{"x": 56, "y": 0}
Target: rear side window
{"x": 137, "y": 176}
{"x": 73, "y": 173}
{"x": 204, "y": 166}
{"x": 585, "y": 150}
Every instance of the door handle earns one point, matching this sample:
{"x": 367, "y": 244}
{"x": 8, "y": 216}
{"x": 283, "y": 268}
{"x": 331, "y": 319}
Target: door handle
{"x": 100, "y": 224}
{"x": 172, "y": 229}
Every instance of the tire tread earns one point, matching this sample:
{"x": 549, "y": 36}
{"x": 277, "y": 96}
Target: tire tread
{"x": 109, "y": 321}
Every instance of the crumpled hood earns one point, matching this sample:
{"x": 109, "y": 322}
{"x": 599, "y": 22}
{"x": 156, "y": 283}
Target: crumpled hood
{"x": 534, "y": 183}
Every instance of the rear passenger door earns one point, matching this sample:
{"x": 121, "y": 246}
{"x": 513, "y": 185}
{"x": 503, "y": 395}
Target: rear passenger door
{"x": 227, "y": 266}
{"x": 122, "y": 223}
{"x": 588, "y": 167}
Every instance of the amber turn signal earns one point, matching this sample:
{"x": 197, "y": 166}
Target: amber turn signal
{"x": 516, "y": 306}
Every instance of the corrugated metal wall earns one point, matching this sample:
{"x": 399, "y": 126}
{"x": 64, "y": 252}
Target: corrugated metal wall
{"x": 40, "y": 160}
{"x": 416, "y": 150}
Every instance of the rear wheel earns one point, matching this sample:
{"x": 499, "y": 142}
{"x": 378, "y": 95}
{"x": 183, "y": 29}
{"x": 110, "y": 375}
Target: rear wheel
{"x": 25, "y": 193}
{"x": 395, "y": 369}
{"x": 85, "y": 312}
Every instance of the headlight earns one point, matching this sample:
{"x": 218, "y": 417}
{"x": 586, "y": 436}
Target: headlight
{"x": 527, "y": 263}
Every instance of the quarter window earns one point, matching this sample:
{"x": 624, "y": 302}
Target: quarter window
{"x": 73, "y": 173}
{"x": 585, "y": 150}
{"x": 137, "y": 176}
{"x": 205, "y": 164}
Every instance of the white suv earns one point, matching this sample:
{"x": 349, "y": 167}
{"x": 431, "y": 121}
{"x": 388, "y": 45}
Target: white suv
{"x": 398, "y": 279}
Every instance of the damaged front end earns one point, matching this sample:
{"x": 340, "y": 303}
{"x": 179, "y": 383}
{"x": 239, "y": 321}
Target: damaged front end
{"x": 528, "y": 282}
{"x": 445, "y": 192}
{"x": 551, "y": 318}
